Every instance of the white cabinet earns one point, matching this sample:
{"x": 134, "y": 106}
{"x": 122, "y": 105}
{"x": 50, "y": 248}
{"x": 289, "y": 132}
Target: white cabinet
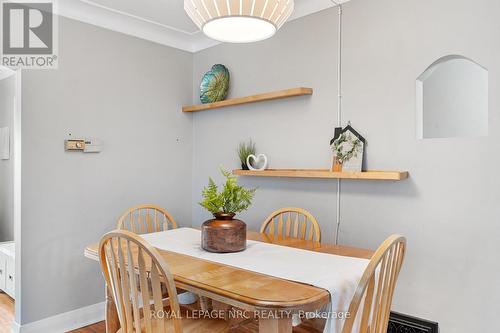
{"x": 10, "y": 285}
{"x": 7, "y": 268}
{"x": 3, "y": 270}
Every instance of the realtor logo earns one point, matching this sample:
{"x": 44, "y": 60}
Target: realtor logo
{"x": 28, "y": 35}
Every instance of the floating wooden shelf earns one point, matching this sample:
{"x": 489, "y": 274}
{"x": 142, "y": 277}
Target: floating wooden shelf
{"x": 250, "y": 99}
{"x": 325, "y": 174}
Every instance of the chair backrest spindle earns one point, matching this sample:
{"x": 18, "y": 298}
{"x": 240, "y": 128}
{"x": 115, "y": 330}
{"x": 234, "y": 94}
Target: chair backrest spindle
{"x": 372, "y": 301}
{"x": 136, "y": 272}
{"x": 146, "y": 219}
{"x": 292, "y": 222}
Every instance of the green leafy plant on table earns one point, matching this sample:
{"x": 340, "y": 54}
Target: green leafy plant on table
{"x": 232, "y": 199}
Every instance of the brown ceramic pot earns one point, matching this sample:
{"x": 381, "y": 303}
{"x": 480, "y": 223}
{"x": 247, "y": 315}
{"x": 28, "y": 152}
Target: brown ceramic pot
{"x": 224, "y": 234}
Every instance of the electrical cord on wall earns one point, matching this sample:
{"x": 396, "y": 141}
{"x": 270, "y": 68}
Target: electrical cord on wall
{"x": 339, "y": 110}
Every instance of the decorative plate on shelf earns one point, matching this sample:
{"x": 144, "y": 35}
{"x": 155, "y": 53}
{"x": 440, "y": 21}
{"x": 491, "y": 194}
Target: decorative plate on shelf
{"x": 214, "y": 84}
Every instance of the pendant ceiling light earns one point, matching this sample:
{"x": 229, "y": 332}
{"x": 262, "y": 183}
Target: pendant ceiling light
{"x": 239, "y": 21}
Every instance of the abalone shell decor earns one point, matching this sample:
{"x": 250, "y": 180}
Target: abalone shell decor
{"x": 214, "y": 84}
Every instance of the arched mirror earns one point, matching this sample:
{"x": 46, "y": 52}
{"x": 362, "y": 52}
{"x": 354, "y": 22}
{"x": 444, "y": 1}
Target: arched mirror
{"x": 452, "y": 99}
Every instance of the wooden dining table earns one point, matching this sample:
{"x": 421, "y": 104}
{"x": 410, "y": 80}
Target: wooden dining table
{"x": 243, "y": 289}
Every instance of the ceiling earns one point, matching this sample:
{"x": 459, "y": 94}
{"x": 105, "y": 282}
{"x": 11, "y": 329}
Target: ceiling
{"x": 161, "y": 21}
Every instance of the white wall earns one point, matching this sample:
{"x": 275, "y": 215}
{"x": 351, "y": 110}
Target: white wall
{"x": 447, "y": 208}
{"x": 128, "y": 93}
{"x": 7, "y": 166}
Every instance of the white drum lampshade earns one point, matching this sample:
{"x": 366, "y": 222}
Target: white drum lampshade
{"x": 239, "y": 21}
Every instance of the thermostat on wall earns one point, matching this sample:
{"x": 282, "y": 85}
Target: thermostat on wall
{"x": 83, "y": 145}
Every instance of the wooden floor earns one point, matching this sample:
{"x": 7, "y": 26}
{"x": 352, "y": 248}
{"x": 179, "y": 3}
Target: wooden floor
{"x": 251, "y": 328}
{"x": 7, "y": 317}
{"x": 6, "y": 313}
{"x": 96, "y": 328}
{"x": 308, "y": 326}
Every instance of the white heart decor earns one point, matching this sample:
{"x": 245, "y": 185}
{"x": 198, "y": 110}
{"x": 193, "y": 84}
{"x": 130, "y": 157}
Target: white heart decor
{"x": 260, "y": 162}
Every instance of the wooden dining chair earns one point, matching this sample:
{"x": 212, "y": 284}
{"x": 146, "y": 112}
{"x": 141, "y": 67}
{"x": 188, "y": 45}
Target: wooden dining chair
{"x": 292, "y": 222}
{"x": 146, "y": 219}
{"x": 125, "y": 257}
{"x": 371, "y": 304}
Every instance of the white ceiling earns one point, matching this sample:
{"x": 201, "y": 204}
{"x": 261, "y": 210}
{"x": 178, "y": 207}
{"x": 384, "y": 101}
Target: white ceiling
{"x": 161, "y": 21}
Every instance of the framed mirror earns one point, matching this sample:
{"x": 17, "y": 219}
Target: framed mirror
{"x": 452, "y": 99}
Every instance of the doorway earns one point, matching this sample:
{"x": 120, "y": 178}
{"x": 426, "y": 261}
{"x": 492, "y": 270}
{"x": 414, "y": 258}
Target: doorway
{"x": 10, "y": 187}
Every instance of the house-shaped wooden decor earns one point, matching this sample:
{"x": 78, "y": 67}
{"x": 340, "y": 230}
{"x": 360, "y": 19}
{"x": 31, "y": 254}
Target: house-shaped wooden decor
{"x": 348, "y": 150}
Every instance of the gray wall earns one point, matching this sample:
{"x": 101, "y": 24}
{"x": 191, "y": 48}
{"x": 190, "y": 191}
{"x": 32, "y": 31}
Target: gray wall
{"x": 128, "y": 93}
{"x": 7, "y": 166}
{"x": 294, "y": 133}
{"x": 448, "y": 207}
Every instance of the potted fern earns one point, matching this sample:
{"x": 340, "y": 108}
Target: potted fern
{"x": 224, "y": 233}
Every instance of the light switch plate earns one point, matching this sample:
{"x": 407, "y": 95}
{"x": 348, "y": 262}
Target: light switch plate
{"x": 92, "y": 146}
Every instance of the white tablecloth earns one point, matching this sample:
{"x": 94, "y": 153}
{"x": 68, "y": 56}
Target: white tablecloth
{"x": 338, "y": 274}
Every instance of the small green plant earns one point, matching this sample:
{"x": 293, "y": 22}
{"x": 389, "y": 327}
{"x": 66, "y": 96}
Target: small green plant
{"x": 232, "y": 199}
{"x": 246, "y": 149}
{"x": 345, "y": 155}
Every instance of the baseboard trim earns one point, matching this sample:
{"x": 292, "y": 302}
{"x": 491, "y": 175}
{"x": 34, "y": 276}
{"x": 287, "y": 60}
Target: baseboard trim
{"x": 15, "y": 328}
{"x": 64, "y": 322}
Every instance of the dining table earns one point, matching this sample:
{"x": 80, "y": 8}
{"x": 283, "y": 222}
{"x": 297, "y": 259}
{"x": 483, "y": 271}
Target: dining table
{"x": 244, "y": 289}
